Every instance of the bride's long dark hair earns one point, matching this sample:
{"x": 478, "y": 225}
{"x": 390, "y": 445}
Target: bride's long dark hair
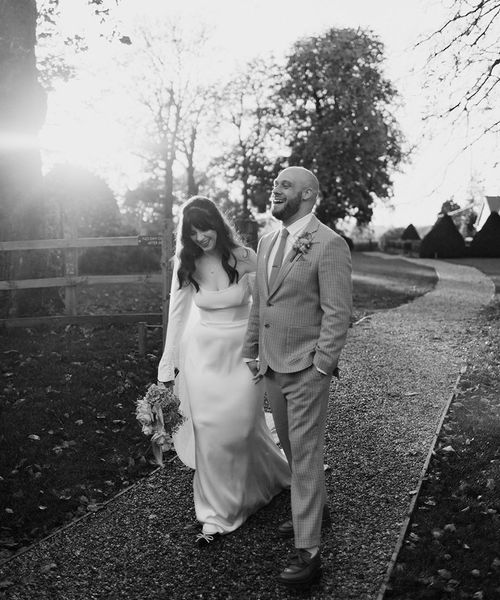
{"x": 202, "y": 213}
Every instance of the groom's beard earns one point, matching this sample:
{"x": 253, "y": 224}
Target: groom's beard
{"x": 285, "y": 211}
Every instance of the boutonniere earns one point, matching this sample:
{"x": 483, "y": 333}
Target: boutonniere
{"x": 302, "y": 244}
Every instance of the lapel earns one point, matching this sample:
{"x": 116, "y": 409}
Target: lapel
{"x": 291, "y": 258}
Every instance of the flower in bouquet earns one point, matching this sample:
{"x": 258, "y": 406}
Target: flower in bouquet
{"x": 158, "y": 413}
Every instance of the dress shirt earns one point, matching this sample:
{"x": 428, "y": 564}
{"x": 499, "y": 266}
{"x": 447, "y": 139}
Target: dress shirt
{"x": 294, "y": 230}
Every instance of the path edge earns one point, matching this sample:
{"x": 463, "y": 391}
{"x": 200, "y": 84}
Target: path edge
{"x": 423, "y": 473}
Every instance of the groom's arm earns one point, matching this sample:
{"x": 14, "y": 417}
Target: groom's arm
{"x": 335, "y": 295}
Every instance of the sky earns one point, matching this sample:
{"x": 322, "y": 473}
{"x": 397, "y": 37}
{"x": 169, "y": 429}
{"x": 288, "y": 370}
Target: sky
{"x": 243, "y": 29}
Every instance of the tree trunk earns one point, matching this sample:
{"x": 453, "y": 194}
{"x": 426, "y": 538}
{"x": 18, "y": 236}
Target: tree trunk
{"x": 192, "y": 185}
{"x": 22, "y": 113}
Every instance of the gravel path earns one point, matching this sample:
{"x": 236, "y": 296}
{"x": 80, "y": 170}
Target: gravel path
{"x": 398, "y": 371}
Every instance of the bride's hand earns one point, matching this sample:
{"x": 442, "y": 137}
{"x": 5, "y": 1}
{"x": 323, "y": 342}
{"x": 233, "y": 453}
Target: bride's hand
{"x": 165, "y": 384}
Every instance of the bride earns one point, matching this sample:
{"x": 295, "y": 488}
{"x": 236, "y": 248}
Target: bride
{"x": 238, "y": 467}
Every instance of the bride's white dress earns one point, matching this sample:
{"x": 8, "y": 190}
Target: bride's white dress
{"x": 226, "y": 439}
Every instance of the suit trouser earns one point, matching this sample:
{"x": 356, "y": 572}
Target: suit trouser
{"x": 299, "y": 402}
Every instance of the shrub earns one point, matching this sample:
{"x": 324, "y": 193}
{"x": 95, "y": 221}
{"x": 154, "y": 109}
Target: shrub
{"x": 486, "y": 242}
{"x": 119, "y": 260}
{"x": 410, "y": 233}
{"x": 443, "y": 241}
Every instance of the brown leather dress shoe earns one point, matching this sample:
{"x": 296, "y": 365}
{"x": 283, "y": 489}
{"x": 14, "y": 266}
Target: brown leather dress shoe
{"x": 285, "y": 530}
{"x": 303, "y": 569}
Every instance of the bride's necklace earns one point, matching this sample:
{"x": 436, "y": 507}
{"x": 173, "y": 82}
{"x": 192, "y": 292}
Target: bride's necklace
{"x": 212, "y": 264}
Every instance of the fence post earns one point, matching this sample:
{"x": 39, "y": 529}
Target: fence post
{"x": 70, "y": 266}
{"x": 142, "y": 330}
{"x": 166, "y": 273}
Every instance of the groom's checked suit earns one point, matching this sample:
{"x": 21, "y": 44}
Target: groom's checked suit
{"x": 297, "y": 329}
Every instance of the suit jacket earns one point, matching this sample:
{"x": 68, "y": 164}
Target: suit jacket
{"x": 304, "y": 318}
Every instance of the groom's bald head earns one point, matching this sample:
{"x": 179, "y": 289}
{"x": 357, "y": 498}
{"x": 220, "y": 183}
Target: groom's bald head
{"x": 294, "y": 194}
{"x": 306, "y": 178}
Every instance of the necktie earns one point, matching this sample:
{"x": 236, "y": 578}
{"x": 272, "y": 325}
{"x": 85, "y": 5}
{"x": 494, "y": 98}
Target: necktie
{"x": 278, "y": 258}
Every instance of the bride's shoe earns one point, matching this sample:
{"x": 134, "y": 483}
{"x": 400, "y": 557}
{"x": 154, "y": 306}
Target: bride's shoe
{"x": 205, "y": 539}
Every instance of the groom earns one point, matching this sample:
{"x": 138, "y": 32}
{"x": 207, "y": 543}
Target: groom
{"x": 296, "y": 331}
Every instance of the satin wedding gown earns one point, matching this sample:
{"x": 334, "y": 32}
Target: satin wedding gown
{"x": 226, "y": 439}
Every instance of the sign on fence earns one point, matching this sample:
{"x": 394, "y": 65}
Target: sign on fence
{"x": 149, "y": 240}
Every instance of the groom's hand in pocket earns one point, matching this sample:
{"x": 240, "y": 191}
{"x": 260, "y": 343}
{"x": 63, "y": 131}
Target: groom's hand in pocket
{"x": 253, "y": 365}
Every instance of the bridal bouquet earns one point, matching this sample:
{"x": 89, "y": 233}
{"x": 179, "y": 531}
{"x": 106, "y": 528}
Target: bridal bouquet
{"x": 159, "y": 416}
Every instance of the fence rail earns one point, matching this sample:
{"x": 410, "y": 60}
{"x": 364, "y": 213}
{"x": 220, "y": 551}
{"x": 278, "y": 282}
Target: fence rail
{"x": 47, "y": 282}
{"x": 95, "y": 242}
{"x": 72, "y": 281}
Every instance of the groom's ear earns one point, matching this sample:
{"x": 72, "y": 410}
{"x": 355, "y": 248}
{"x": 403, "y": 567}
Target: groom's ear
{"x": 307, "y": 194}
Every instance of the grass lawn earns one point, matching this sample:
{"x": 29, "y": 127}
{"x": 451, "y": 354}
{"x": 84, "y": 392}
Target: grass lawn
{"x": 68, "y": 435}
{"x": 452, "y": 547}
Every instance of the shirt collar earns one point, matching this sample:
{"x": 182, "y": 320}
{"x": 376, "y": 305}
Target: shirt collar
{"x": 295, "y": 228}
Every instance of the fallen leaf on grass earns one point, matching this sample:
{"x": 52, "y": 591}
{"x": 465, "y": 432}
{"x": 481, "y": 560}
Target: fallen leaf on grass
{"x": 444, "y": 574}
{"x": 48, "y": 567}
{"x": 6, "y": 584}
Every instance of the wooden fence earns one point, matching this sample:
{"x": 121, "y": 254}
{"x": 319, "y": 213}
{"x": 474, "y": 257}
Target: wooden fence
{"x": 71, "y": 281}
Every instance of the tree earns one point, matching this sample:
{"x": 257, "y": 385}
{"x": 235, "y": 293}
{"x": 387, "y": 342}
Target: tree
{"x": 443, "y": 240}
{"x": 448, "y": 206}
{"x": 410, "y": 233}
{"x": 82, "y": 199}
{"x": 143, "y": 205}
{"x": 464, "y": 63}
{"x": 486, "y": 242}
{"x": 201, "y": 112}
{"x": 248, "y": 105}
{"x": 165, "y": 63}
{"x": 22, "y": 114}
{"x": 338, "y": 107}
{"x": 464, "y": 218}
